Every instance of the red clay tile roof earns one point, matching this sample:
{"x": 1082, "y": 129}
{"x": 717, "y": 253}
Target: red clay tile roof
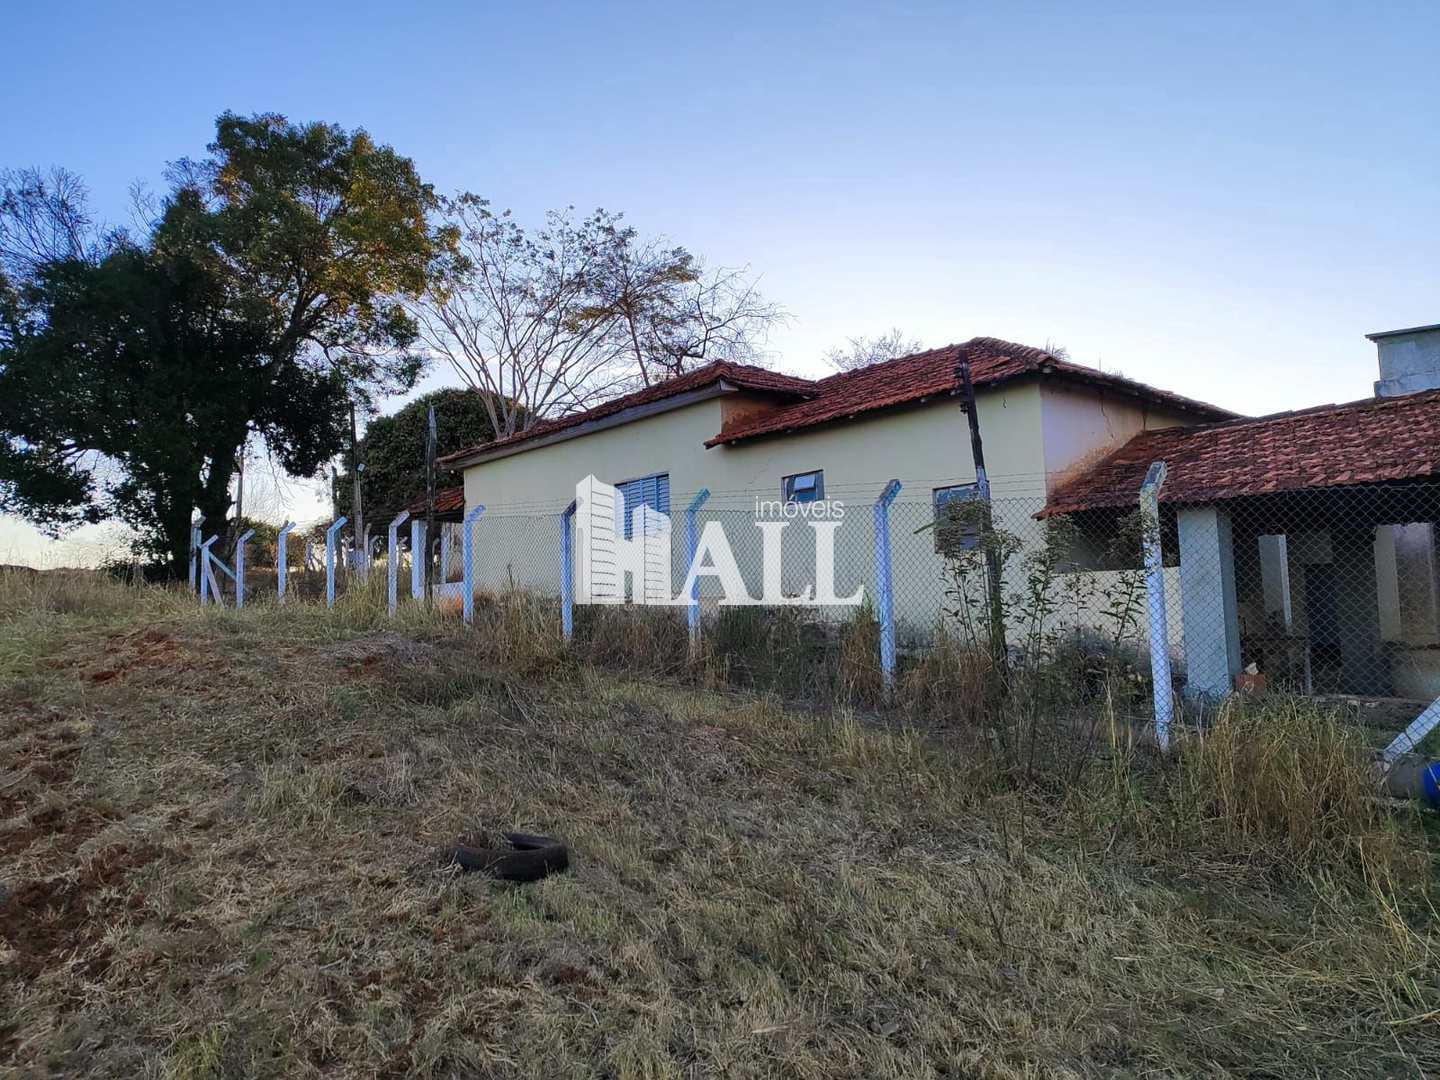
{"x": 922, "y": 375}
{"x": 1361, "y": 442}
{"x": 743, "y": 375}
{"x": 447, "y": 501}
{"x": 880, "y": 386}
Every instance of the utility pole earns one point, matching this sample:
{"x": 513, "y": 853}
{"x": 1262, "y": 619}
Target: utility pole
{"x": 239, "y": 497}
{"x": 357, "y": 502}
{"x": 430, "y": 440}
{"x": 999, "y": 648}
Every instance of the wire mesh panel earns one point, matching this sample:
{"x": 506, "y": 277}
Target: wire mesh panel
{"x": 1319, "y": 591}
{"x": 517, "y": 552}
{"x": 1329, "y": 590}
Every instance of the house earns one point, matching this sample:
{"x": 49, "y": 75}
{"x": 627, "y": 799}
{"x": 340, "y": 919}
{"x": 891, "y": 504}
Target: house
{"x": 1304, "y": 540}
{"x": 750, "y": 436}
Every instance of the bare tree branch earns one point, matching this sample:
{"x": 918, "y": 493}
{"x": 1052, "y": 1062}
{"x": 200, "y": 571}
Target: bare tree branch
{"x": 551, "y": 322}
{"x": 863, "y": 351}
{"x": 45, "y": 219}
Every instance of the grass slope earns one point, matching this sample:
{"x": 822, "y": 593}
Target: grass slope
{"x": 217, "y": 851}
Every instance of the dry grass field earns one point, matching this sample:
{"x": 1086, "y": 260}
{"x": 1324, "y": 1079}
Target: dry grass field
{"x": 218, "y": 857}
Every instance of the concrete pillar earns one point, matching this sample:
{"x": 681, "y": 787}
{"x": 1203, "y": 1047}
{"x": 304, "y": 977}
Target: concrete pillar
{"x": 1387, "y": 583}
{"x": 1275, "y": 580}
{"x": 1415, "y": 580}
{"x": 1207, "y": 601}
{"x": 1363, "y": 667}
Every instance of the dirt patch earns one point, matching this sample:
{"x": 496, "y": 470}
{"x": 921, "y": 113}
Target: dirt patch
{"x": 67, "y": 826}
{"x": 366, "y": 652}
{"x": 47, "y": 756}
{"x": 49, "y": 922}
{"x": 151, "y": 647}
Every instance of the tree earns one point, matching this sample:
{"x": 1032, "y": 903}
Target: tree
{"x": 324, "y": 230}
{"x": 550, "y": 322}
{"x": 862, "y": 351}
{"x": 44, "y": 218}
{"x": 669, "y": 314}
{"x": 393, "y": 450}
{"x": 130, "y": 391}
{"x": 263, "y": 300}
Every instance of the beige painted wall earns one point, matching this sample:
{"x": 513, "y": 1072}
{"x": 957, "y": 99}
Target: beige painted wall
{"x": 1083, "y": 424}
{"x": 1030, "y": 429}
{"x": 925, "y": 447}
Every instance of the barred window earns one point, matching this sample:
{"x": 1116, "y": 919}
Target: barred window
{"x": 957, "y": 526}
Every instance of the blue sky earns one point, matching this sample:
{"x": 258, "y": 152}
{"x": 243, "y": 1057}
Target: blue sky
{"x": 1221, "y": 200}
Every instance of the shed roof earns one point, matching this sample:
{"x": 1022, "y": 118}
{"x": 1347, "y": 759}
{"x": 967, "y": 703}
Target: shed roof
{"x": 1360, "y": 442}
{"x": 449, "y": 502}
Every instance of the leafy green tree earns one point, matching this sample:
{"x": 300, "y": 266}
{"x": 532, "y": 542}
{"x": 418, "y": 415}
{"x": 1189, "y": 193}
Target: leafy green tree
{"x": 327, "y": 232}
{"x": 264, "y": 300}
{"x": 393, "y": 450}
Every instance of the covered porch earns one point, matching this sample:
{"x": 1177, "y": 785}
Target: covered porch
{"x": 1328, "y": 591}
{"x": 1305, "y": 544}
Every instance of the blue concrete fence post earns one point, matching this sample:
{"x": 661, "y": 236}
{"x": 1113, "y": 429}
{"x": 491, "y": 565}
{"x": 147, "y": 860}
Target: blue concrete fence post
{"x": 440, "y": 577}
{"x": 1413, "y": 735}
{"x": 330, "y": 559}
{"x": 567, "y": 572}
{"x": 392, "y": 559}
{"x": 467, "y": 556}
{"x": 417, "y": 556}
{"x": 282, "y": 559}
{"x": 209, "y": 588}
{"x": 692, "y": 545}
{"x": 1155, "y": 596}
{"x": 240, "y": 567}
{"x": 885, "y": 601}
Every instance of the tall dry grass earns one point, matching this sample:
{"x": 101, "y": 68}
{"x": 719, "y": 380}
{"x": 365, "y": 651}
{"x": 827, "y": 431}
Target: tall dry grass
{"x": 1281, "y": 781}
{"x": 1274, "y": 783}
{"x": 756, "y": 889}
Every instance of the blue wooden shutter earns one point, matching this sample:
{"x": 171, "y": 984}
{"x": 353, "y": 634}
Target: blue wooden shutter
{"x": 651, "y": 491}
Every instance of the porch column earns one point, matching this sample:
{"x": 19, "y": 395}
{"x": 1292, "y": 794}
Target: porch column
{"x": 1275, "y": 581}
{"x": 1207, "y": 601}
{"x": 1364, "y": 668}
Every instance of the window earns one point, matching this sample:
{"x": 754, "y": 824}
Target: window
{"x": 804, "y": 487}
{"x": 652, "y": 491}
{"x": 957, "y": 526}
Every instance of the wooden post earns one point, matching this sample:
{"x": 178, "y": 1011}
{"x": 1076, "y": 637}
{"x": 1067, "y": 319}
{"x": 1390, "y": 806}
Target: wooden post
{"x": 430, "y": 437}
{"x": 239, "y": 500}
{"x": 999, "y": 648}
{"x": 357, "y": 501}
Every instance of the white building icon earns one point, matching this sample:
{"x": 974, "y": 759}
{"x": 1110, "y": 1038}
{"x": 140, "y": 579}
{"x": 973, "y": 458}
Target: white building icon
{"x": 607, "y": 557}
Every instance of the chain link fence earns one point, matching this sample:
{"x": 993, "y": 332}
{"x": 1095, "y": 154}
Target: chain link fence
{"x": 1324, "y": 591}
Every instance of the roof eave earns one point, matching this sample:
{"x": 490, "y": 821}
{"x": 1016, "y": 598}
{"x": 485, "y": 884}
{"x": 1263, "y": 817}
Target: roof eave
{"x": 480, "y": 455}
{"x": 1124, "y": 387}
